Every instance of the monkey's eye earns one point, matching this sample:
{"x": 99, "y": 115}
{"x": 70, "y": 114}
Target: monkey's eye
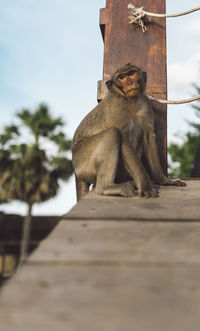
{"x": 130, "y": 73}
{"x": 122, "y": 76}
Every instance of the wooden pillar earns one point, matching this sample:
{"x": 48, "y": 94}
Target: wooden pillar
{"x": 125, "y": 43}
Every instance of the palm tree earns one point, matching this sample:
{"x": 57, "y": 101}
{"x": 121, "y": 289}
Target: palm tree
{"x": 28, "y": 172}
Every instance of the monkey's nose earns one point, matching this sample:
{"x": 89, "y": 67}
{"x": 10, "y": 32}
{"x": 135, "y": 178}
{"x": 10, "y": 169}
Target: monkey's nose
{"x": 129, "y": 82}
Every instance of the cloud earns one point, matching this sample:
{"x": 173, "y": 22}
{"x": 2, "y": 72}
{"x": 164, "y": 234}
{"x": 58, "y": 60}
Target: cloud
{"x": 192, "y": 28}
{"x": 181, "y": 76}
{"x": 183, "y": 67}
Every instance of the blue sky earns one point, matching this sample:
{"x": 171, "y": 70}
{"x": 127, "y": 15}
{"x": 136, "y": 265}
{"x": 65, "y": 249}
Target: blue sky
{"x": 52, "y": 51}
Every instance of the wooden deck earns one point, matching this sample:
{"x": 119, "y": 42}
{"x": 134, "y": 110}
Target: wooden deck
{"x": 113, "y": 264}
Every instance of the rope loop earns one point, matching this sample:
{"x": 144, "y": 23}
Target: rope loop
{"x": 141, "y": 17}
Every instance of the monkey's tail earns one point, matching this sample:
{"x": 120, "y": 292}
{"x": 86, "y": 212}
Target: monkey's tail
{"x": 82, "y": 188}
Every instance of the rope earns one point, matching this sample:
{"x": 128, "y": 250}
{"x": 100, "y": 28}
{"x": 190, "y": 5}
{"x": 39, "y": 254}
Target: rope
{"x": 140, "y": 17}
{"x": 174, "y": 102}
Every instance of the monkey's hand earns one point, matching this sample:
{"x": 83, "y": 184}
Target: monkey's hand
{"x": 172, "y": 182}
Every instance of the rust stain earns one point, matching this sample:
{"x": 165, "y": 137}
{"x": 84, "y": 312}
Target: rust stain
{"x": 153, "y": 50}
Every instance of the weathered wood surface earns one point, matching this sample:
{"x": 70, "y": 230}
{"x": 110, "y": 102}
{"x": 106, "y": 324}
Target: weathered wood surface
{"x": 96, "y": 298}
{"x": 174, "y": 204}
{"x": 112, "y": 274}
{"x": 124, "y": 43}
{"x": 123, "y": 243}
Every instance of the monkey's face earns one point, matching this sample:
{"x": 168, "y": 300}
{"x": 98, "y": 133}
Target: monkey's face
{"x": 130, "y": 83}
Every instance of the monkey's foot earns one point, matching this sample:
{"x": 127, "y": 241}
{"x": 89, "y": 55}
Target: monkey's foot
{"x": 154, "y": 193}
{"x": 124, "y": 189}
{"x": 133, "y": 183}
{"x": 174, "y": 182}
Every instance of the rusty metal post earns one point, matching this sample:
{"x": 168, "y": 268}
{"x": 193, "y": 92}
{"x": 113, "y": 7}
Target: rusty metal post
{"x": 125, "y": 43}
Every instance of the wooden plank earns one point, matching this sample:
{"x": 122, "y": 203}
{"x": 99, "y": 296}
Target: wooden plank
{"x": 125, "y": 43}
{"x": 103, "y": 20}
{"x": 101, "y": 90}
{"x": 174, "y": 204}
{"x": 112, "y": 274}
{"x": 120, "y": 243}
{"x": 102, "y": 298}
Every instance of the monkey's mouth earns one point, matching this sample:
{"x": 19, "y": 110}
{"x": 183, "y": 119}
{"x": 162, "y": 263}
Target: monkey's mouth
{"x": 133, "y": 89}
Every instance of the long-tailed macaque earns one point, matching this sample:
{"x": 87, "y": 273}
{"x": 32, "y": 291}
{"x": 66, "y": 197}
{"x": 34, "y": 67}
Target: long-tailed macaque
{"x": 114, "y": 147}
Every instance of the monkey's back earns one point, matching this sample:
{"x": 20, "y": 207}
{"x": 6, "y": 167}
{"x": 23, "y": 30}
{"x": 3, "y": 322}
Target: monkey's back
{"x": 112, "y": 111}
{"x": 93, "y": 123}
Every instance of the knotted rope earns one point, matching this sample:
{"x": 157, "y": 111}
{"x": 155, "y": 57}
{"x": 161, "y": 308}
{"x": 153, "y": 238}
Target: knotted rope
{"x": 174, "y": 102}
{"x": 139, "y": 16}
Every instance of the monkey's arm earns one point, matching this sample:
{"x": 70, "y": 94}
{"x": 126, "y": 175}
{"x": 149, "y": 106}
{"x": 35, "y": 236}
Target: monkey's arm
{"x": 136, "y": 169}
{"x": 155, "y": 166}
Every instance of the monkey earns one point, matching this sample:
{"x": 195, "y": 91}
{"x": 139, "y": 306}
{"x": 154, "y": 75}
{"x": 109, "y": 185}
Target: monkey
{"x": 114, "y": 147}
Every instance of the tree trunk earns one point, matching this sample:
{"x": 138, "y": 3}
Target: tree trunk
{"x": 25, "y": 240}
{"x": 196, "y": 165}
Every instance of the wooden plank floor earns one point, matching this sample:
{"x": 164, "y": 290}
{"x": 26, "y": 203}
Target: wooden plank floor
{"x": 113, "y": 264}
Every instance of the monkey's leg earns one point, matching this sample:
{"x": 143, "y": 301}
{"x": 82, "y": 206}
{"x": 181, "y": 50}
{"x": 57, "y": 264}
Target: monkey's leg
{"x": 107, "y": 164}
{"x": 96, "y": 161}
{"x": 137, "y": 171}
{"x": 82, "y": 188}
{"x": 156, "y": 169}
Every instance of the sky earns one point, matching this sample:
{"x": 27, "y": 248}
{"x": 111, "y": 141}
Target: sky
{"x": 52, "y": 51}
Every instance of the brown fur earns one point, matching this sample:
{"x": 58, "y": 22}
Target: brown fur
{"x": 113, "y": 140}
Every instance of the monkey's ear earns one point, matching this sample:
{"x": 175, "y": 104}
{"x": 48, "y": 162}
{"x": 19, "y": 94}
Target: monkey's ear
{"x": 109, "y": 83}
{"x": 144, "y": 74}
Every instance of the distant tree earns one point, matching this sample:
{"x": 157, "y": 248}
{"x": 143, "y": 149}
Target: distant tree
{"x": 187, "y": 155}
{"x": 33, "y": 160}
